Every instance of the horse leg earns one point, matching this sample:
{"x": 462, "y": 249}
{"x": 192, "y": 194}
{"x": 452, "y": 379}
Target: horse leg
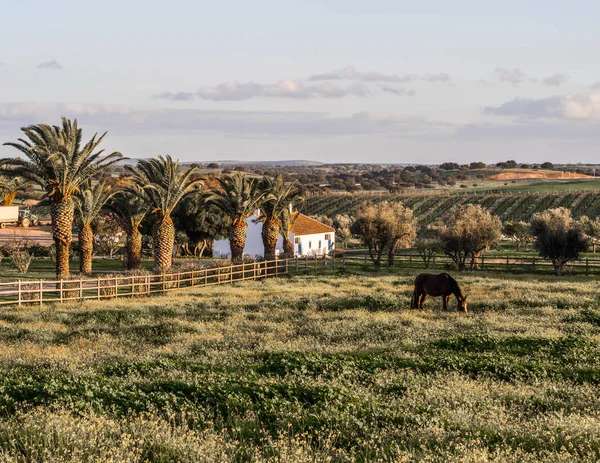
{"x": 413, "y": 300}
{"x": 422, "y": 301}
{"x": 445, "y": 303}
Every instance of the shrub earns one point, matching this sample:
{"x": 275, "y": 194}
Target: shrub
{"x": 21, "y": 260}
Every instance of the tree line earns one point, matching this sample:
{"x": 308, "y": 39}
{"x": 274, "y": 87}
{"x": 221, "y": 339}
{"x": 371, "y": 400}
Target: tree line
{"x": 157, "y": 197}
{"x": 466, "y": 234}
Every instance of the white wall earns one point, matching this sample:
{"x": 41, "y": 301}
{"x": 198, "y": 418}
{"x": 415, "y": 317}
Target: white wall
{"x": 254, "y": 245}
{"x": 309, "y": 244}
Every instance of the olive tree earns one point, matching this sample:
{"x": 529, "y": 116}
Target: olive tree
{"x": 383, "y": 228}
{"x": 519, "y": 233}
{"x": 558, "y": 237}
{"x": 428, "y": 244}
{"x": 342, "y": 224}
{"x": 469, "y": 231}
{"x": 591, "y": 229}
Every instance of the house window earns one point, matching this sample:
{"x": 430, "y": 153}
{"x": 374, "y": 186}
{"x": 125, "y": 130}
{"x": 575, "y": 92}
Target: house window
{"x": 319, "y": 244}
{"x": 327, "y": 237}
{"x": 297, "y": 240}
{"x": 310, "y": 245}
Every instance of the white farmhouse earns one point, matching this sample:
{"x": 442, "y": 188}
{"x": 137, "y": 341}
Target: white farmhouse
{"x": 310, "y": 238}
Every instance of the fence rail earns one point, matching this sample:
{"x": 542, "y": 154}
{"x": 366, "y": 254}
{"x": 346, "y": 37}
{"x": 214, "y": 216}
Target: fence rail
{"x": 45, "y": 291}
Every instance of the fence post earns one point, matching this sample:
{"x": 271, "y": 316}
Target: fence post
{"x": 316, "y": 264}
{"x": 297, "y": 259}
{"x": 19, "y": 293}
{"x": 61, "y": 290}
{"x": 98, "y": 288}
{"x": 482, "y": 262}
{"x": 365, "y": 259}
{"x": 587, "y": 267}
{"x": 533, "y": 264}
{"x": 41, "y": 291}
{"x": 178, "y": 280}
{"x": 410, "y": 261}
{"x": 287, "y": 262}
{"x": 333, "y": 261}
{"x": 306, "y": 264}
{"x": 254, "y": 271}
{"x": 116, "y": 288}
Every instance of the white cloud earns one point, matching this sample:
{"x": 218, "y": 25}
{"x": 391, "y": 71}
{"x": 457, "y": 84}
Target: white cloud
{"x": 350, "y": 73}
{"x": 596, "y": 86}
{"x": 50, "y": 65}
{"x": 514, "y": 76}
{"x": 572, "y": 106}
{"x": 401, "y": 91}
{"x": 132, "y": 120}
{"x": 556, "y": 80}
{"x": 295, "y": 89}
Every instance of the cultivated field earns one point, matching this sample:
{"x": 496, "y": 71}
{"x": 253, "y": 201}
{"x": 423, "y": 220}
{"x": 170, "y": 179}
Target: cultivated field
{"x": 430, "y": 207}
{"x": 332, "y": 368}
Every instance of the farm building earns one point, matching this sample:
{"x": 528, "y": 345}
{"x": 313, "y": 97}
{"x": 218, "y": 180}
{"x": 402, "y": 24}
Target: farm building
{"x": 310, "y": 238}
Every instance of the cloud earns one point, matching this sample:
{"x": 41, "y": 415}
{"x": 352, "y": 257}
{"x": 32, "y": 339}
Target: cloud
{"x": 576, "y": 131}
{"x": 556, "y": 80}
{"x": 294, "y": 89}
{"x": 129, "y": 120}
{"x": 572, "y": 106}
{"x": 350, "y": 73}
{"x": 50, "y": 65}
{"x": 514, "y": 76}
{"x": 397, "y": 91}
{"x": 596, "y": 86}
{"x": 179, "y": 96}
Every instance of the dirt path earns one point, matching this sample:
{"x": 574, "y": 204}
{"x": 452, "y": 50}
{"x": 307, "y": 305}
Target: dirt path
{"x": 41, "y": 235}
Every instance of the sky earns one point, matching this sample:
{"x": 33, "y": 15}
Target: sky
{"x": 331, "y": 81}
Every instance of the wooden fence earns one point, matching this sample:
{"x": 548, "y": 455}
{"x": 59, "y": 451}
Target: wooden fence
{"x": 46, "y": 291}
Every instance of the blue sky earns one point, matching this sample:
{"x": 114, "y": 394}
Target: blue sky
{"x": 337, "y": 81}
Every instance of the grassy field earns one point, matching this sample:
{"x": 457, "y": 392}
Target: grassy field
{"x": 268, "y": 371}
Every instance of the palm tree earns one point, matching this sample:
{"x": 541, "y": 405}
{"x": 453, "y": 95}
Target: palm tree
{"x": 130, "y": 208}
{"x": 10, "y": 186}
{"x": 89, "y": 201}
{"x": 56, "y": 160}
{"x": 162, "y": 184}
{"x": 277, "y": 203}
{"x": 238, "y": 196}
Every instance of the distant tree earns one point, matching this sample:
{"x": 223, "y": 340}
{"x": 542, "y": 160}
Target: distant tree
{"x": 212, "y": 165}
{"x": 449, "y": 166}
{"x": 428, "y": 244}
{"x": 342, "y": 224}
{"x": 591, "y": 229}
{"x": 558, "y": 237}
{"x": 477, "y": 165}
{"x": 519, "y": 233}
{"x": 467, "y": 233}
{"x": 383, "y": 228}
{"x": 11, "y": 186}
{"x": 547, "y": 165}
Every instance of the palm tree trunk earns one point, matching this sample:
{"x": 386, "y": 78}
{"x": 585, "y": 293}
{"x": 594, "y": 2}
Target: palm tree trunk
{"x": 62, "y": 212}
{"x": 237, "y": 240}
{"x": 86, "y": 248}
{"x": 134, "y": 249}
{"x": 270, "y": 233}
{"x": 288, "y": 246}
{"x": 163, "y": 237}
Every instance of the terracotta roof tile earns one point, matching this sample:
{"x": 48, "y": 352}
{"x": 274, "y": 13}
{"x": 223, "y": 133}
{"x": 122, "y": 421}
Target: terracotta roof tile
{"x": 303, "y": 225}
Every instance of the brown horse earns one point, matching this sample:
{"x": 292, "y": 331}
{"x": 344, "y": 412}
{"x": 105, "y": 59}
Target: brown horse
{"x": 443, "y": 285}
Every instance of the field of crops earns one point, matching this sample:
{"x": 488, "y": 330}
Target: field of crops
{"x": 268, "y": 371}
{"x": 430, "y": 207}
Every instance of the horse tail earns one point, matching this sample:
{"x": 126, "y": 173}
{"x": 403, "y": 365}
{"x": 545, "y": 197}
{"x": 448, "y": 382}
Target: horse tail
{"x": 413, "y": 301}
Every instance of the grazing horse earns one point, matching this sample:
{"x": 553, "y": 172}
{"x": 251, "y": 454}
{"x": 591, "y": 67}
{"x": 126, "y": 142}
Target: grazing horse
{"x": 443, "y": 285}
